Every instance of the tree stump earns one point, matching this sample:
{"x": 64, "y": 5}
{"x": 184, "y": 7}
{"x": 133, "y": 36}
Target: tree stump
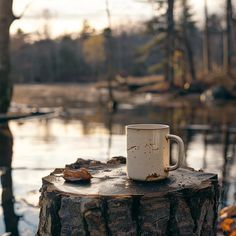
{"x": 111, "y": 204}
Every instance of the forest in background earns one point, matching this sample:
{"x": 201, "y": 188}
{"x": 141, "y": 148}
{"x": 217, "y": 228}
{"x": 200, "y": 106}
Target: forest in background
{"x": 171, "y": 44}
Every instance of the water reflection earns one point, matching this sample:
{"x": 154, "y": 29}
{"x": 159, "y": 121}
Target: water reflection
{"x": 224, "y": 137}
{"x": 6, "y": 145}
{"x": 109, "y": 119}
{"x": 228, "y": 142}
{"x": 96, "y": 133}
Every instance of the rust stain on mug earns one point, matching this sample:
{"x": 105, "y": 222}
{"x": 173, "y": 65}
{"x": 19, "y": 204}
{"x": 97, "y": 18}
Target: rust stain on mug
{"x": 133, "y": 147}
{"x": 166, "y": 169}
{"x": 151, "y": 146}
{"x": 153, "y": 176}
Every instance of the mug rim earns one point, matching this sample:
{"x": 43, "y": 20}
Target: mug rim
{"x": 147, "y": 126}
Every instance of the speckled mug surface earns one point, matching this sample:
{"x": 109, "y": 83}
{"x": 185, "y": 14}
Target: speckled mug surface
{"x": 148, "y": 148}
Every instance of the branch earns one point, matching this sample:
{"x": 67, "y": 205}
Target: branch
{"x": 23, "y": 12}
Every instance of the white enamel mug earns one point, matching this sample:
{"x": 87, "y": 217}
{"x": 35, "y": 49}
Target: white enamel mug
{"x": 148, "y": 151}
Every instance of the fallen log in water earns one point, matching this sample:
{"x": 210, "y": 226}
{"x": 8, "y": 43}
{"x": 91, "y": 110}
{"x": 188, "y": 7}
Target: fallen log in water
{"x": 8, "y": 117}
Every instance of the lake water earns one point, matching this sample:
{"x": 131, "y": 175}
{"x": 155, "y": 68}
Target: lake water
{"x": 40, "y": 145}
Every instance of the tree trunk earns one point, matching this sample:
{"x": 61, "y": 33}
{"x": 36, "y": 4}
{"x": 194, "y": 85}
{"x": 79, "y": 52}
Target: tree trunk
{"x": 185, "y": 204}
{"x": 190, "y": 54}
{"x": 206, "y": 43}
{"x": 190, "y": 58}
{"x": 6, "y": 18}
{"x": 110, "y": 57}
{"x": 229, "y": 41}
{"x": 170, "y": 41}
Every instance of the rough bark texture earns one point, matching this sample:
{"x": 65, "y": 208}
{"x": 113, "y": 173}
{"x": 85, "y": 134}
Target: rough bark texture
{"x": 6, "y": 18}
{"x": 184, "y": 204}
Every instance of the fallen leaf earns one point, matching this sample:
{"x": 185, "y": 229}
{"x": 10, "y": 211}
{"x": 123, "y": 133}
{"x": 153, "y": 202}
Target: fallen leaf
{"x": 81, "y": 174}
{"x": 228, "y": 212}
{"x": 233, "y": 233}
{"x": 225, "y": 225}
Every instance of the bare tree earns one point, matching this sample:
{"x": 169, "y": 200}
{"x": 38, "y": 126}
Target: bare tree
{"x": 170, "y": 40}
{"x": 6, "y": 85}
{"x": 6, "y": 19}
{"x": 110, "y": 56}
{"x": 229, "y": 34}
{"x": 187, "y": 27}
{"x": 47, "y": 15}
{"x": 206, "y": 42}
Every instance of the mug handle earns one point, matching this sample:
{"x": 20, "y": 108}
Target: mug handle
{"x": 181, "y": 152}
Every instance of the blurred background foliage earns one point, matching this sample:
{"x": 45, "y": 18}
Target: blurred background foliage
{"x": 171, "y": 38}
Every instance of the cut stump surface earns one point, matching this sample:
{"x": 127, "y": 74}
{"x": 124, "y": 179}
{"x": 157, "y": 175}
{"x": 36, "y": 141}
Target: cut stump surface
{"x": 111, "y": 204}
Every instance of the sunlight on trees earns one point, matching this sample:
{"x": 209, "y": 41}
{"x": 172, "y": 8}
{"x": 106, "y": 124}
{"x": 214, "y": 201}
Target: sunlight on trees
{"x": 93, "y": 50}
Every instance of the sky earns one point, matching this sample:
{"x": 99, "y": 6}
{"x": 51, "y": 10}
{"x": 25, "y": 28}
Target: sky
{"x": 67, "y": 16}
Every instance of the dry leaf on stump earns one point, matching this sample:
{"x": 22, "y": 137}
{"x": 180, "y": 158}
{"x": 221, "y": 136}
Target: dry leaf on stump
{"x": 73, "y": 175}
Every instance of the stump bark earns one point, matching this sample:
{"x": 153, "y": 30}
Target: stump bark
{"x": 183, "y": 204}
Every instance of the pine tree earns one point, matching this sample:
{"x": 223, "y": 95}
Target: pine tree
{"x": 162, "y": 28}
